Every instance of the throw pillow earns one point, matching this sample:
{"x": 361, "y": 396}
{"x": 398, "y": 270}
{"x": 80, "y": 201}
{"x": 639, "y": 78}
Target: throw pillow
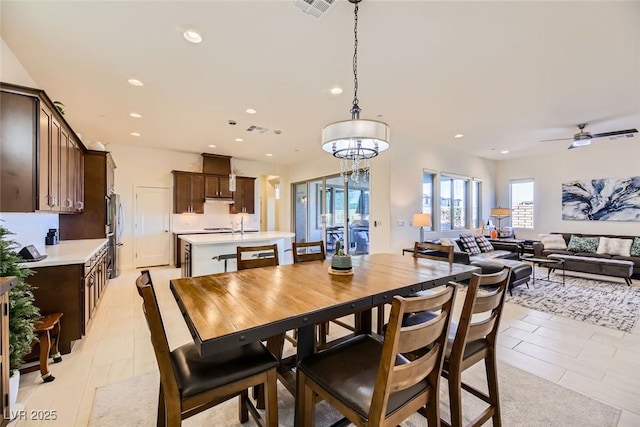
{"x": 484, "y": 244}
{"x": 469, "y": 244}
{"x": 553, "y": 241}
{"x": 611, "y": 246}
{"x": 635, "y": 247}
{"x": 583, "y": 244}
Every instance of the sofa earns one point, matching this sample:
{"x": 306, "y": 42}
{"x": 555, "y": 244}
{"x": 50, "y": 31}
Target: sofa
{"x": 587, "y": 260}
{"x": 494, "y": 260}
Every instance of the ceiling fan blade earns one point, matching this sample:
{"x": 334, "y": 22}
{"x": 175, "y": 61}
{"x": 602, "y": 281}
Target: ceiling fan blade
{"x": 557, "y": 139}
{"x": 618, "y": 132}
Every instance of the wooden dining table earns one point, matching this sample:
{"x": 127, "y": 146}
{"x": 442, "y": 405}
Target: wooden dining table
{"x": 232, "y": 309}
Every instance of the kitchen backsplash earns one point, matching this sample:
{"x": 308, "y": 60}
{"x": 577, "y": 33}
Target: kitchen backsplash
{"x": 216, "y": 215}
{"x": 29, "y": 228}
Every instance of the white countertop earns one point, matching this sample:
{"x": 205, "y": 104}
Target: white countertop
{"x": 68, "y": 252}
{"x": 208, "y": 239}
{"x": 201, "y": 231}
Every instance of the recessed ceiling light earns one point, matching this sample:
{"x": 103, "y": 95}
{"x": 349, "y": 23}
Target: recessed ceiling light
{"x": 458, "y": 135}
{"x": 135, "y": 82}
{"x": 134, "y": 134}
{"x": 336, "y": 90}
{"x": 135, "y": 115}
{"x": 192, "y": 36}
{"x": 250, "y": 111}
{"x": 239, "y": 139}
{"x": 212, "y": 146}
{"x": 269, "y": 155}
{"x": 504, "y": 151}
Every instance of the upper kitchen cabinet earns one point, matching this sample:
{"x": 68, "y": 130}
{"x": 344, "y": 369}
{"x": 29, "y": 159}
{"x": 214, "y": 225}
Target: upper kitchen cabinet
{"x": 217, "y": 187}
{"x": 188, "y": 192}
{"x": 216, "y": 164}
{"x": 98, "y": 180}
{"x": 41, "y": 158}
{"x": 244, "y": 196}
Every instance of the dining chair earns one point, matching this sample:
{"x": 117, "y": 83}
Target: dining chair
{"x": 420, "y": 250}
{"x": 370, "y": 382}
{"x": 190, "y": 384}
{"x": 473, "y": 339}
{"x": 257, "y": 256}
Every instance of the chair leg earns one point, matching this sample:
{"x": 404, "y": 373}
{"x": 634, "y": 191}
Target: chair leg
{"x": 45, "y": 348}
{"x": 161, "y": 409}
{"x": 492, "y": 380}
{"x": 271, "y": 397}
{"x": 243, "y": 410}
{"x": 380, "y": 311}
{"x": 455, "y": 398}
{"x": 306, "y": 402}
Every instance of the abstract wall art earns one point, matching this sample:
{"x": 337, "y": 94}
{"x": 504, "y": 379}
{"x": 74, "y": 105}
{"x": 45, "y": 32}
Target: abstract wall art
{"x": 606, "y": 199}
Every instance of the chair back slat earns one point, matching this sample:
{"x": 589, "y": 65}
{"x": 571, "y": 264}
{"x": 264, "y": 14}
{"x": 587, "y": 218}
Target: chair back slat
{"x": 427, "y": 365}
{"x": 414, "y": 337}
{"x": 257, "y": 256}
{"x": 420, "y": 247}
{"x": 481, "y": 329}
{"x": 490, "y": 303}
{"x": 158, "y": 335}
{"x": 487, "y": 302}
{"x": 308, "y": 251}
{"x": 404, "y": 376}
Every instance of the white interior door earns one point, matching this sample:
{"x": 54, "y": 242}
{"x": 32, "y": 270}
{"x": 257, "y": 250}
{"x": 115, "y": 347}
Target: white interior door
{"x": 152, "y": 241}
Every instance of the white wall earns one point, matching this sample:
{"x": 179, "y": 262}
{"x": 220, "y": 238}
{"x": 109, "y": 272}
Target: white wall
{"x": 29, "y": 228}
{"x": 11, "y": 70}
{"x": 602, "y": 159}
{"x": 396, "y": 187}
{"x": 143, "y": 166}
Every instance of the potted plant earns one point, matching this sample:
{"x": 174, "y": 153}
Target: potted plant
{"x": 23, "y": 314}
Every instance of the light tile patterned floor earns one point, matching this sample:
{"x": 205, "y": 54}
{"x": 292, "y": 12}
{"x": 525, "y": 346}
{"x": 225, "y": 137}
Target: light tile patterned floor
{"x": 601, "y": 363}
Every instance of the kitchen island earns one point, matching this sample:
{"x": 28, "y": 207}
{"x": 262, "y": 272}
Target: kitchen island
{"x": 205, "y": 253}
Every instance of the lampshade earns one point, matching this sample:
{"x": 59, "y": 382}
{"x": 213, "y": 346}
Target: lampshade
{"x": 421, "y": 220}
{"x": 500, "y": 212}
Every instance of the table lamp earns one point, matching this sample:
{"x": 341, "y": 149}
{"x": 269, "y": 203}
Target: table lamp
{"x": 500, "y": 213}
{"x": 421, "y": 220}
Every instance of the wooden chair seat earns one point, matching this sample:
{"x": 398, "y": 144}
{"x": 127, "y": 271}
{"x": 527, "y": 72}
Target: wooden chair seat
{"x": 190, "y": 384}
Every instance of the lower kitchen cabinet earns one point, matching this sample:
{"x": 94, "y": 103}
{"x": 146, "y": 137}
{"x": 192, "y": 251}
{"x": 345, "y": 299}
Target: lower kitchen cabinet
{"x": 75, "y": 291}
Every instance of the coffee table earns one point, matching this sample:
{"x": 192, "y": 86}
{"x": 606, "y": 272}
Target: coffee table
{"x": 549, "y": 263}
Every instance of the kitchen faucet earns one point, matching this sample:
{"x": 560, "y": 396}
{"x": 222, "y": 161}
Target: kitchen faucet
{"x": 241, "y": 225}
{"x": 233, "y": 232}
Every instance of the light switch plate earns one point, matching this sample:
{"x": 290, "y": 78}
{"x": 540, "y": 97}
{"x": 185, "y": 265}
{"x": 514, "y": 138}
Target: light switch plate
{"x": 401, "y": 223}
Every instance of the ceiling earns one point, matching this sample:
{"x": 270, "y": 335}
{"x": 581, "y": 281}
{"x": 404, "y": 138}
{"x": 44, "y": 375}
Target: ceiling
{"x": 504, "y": 74}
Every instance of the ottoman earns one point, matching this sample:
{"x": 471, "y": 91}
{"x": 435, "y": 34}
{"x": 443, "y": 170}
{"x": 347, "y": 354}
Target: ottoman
{"x": 520, "y": 271}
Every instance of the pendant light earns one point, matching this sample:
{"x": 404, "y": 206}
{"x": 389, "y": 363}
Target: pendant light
{"x": 355, "y": 141}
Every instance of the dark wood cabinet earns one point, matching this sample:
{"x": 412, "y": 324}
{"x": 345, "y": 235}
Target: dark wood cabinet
{"x": 40, "y": 155}
{"x": 6, "y": 283}
{"x": 188, "y": 192}
{"x": 217, "y": 186}
{"x": 74, "y": 290}
{"x": 244, "y": 196}
{"x": 91, "y": 223}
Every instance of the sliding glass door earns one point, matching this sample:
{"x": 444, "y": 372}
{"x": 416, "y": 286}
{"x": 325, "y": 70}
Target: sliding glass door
{"x": 333, "y": 210}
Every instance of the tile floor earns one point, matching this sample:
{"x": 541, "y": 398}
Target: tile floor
{"x": 598, "y": 362}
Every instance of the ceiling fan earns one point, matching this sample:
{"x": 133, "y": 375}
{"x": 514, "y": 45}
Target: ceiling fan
{"x": 583, "y": 137}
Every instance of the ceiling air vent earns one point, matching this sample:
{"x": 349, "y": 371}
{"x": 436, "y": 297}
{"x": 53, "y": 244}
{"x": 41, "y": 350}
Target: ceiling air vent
{"x": 628, "y": 135}
{"x": 259, "y": 129}
{"x": 316, "y": 8}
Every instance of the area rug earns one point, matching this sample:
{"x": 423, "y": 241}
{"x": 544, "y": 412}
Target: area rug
{"x": 526, "y": 401}
{"x": 610, "y": 304}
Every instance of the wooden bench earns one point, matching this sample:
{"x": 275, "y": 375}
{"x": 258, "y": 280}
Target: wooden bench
{"x": 48, "y": 332}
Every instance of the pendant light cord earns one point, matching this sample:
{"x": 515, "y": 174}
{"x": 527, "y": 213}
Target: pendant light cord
{"x": 355, "y": 108}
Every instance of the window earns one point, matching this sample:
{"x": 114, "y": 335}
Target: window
{"x": 453, "y": 202}
{"x": 476, "y": 194}
{"x": 428, "y": 179}
{"x": 521, "y": 195}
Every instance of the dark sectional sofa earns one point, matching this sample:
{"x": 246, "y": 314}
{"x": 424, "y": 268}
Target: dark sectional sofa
{"x": 589, "y": 262}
